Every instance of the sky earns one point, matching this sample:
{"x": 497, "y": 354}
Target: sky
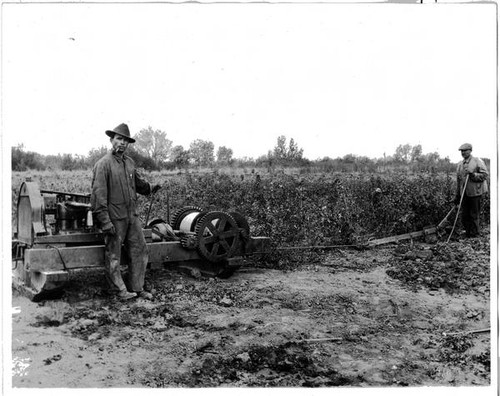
{"x": 337, "y": 78}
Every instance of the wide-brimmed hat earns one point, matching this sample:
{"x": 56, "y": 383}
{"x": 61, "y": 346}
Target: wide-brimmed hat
{"x": 465, "y": 146}
{"x": 122, "y": 130}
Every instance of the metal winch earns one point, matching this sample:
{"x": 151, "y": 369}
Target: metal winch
{"x": 56, "y": 235}
{"x": 215, "y": 235}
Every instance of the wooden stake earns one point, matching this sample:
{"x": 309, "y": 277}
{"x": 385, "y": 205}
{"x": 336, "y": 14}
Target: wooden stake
{"x": 467, "y": 332}
{"x": 322, "y": 339}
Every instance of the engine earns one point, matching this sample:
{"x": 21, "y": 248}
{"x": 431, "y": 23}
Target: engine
{"x": 46, "y": 212}
{"x": 67, "y": 213}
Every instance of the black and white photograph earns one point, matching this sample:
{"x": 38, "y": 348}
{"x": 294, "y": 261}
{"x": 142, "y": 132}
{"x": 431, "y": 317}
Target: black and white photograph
{"x": 250, "y": 197}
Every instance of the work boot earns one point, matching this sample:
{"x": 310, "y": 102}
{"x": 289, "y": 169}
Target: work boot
{"x": 126, "y": 295}
{"x": 144, "y": 294}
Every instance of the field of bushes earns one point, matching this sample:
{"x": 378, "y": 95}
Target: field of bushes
{"x": 292, "y": 209}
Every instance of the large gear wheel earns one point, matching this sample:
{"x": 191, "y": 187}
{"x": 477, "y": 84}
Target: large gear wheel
{"x": 217, "y": 234}
{"x": 242, "y": 224}
{"x": 179, "y": 214}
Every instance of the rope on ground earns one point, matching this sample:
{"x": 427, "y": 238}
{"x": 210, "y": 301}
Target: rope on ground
{"x": 315, "y": 247}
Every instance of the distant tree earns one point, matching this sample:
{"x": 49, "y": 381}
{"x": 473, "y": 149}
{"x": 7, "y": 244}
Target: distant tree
{"x": 294, "y": 152}
{"x": 67, "y": 162}
{"x": 70, "y": 162}
{"x": 416, "y": 153}
{"x": 365, "y": 164}
{"x": 17, "y": 158}
{"x": 202, "y": 152}
{"x": 95, "y": 155}
{"x": 53, "y": 161}
{"x": 224, "y": 155}
{"x": 22, "y": 160}
{"x": 280, "y": 150}
{"x": 140, "y": 160}
{"x": 282, "y": 153}
{"x": 179, "y": 156}
{"x": 431, "y": 158}
{"x": 349, "y": 158}
{"x": 348, "y": 163}
{"x": 403, "y": 153}
{"x": 153, "y": 144}
{"x": 265, "y": 160}
{"x": 244, "y": 162}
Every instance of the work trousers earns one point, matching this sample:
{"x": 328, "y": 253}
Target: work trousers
{"x": 129, "y": 236}
{"x": 471, "y": 210}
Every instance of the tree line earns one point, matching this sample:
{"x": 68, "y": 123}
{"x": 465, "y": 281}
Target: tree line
{"x": 154, "y": 151}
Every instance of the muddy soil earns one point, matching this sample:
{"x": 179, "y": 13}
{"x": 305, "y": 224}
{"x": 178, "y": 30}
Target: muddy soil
{"x": 393, "y": 316}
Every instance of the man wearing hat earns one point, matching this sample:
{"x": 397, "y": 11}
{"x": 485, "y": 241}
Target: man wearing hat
{"x": 115, "y": 183}
{"x": 471, "y": 176}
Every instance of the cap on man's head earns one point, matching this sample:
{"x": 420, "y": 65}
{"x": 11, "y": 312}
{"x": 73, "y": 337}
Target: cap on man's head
{"x": 465, "y": 146}
{"x": 122, "y": 130}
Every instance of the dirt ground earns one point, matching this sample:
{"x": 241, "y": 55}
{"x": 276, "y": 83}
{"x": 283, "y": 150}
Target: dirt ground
{"x": 383, "y": 317}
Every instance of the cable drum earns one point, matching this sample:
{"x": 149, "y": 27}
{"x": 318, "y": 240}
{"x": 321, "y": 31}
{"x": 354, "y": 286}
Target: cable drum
{"x": 180, "y": 214}
{"x": 188, "y": 222}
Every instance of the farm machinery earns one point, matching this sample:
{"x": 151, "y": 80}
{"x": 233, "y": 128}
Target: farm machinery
{"x": 55, "y": 236}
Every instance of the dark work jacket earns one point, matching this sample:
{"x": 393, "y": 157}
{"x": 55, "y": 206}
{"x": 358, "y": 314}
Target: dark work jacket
{"x": 115, "y": 182}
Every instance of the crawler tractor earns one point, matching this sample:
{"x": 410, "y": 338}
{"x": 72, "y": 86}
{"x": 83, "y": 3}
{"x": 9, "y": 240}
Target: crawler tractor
{"x": 55, "y": 236}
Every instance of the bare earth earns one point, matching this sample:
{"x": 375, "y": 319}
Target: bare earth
{"x": 342, "y": 321}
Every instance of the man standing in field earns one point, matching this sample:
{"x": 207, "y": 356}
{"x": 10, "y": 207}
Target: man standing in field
{"x": 115, "y": 183}
{"x": 471, "y": 176}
